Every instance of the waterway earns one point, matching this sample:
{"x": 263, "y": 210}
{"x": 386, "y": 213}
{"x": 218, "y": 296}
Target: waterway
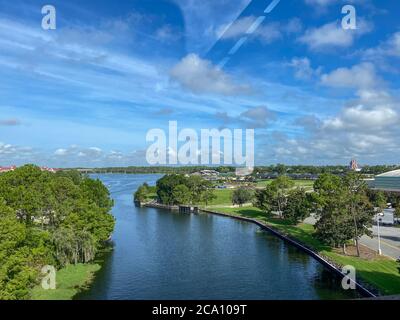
{"x": 158, "y": 254}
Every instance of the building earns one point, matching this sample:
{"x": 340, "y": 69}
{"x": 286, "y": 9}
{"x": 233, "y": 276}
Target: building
{"x": 6, "y": 169}
{"x": 353, "y": 166}
{"x": 388, "y": 181}
{"x": 207, "y": 174}
{"x": 12, "y": 168}
{"x": 52, "y": 170}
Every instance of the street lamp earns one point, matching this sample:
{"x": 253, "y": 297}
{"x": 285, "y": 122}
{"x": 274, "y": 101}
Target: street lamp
{"x": 378, "y": 218}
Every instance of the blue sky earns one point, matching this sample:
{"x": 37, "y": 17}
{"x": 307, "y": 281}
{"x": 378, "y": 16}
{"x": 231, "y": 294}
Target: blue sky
{"x": 87, "y": 93}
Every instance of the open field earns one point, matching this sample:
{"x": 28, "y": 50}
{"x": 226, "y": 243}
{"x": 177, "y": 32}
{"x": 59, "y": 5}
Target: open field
{"x": 223, "y": 197}
{"x": 381, "y": 272}
{"x": 307, "y": 184}
{"x": 69, "y": 281}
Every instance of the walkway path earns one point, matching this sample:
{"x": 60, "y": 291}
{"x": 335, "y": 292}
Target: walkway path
{"x": 390, "y": 239}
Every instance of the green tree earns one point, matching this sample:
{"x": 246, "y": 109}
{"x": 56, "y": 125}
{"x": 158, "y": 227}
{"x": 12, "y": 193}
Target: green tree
{"x": 141, "y": 194}
{"x": 208, "y": 195}
{"x": 333, "y": 225}
{"x": 358, "y": 206}
{"x": 241, "y": 196}
{"x": 298, "y": 206}
{"x": 344, "y": 209}
{"x": 48, "y": 218}
{"x": 380, "y": 201}
{"x": 181, "y": 194}
{"x": 165, "y": 188}
{"x": 397, "y": 211}
{"x": 264, "y": 199}
{"x": 279, "y": 188}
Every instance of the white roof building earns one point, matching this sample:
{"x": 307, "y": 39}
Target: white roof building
{"x": 388, "y": 181}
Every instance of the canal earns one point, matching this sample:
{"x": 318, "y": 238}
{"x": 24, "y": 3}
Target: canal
{"x": 162, "y": 255}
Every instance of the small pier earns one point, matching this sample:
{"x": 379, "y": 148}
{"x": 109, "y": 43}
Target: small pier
{"x": 188, "y": 209}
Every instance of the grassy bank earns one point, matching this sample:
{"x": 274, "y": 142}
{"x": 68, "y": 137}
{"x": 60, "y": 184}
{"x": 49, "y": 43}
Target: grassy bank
{"x": 306, "y": 184}
{"x": 380, "y": 272}
{"x": 69, "y": 281}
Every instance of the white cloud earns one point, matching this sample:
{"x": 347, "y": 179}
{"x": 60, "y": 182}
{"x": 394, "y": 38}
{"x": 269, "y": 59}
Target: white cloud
{"x": 256, "y": 117}
{"x": 167, "y": 33}
{"x": 303, "y": 68}
{"x": 366, "y": 128}
{"x": 202, "y": 17}
{"x": 266, "y": 32}
{"x": 320, "y": 2}
{"x": 389, "y": 48}
{"x": 201, "y": 76}
{"x": 61, "y": 152}
{"x": 235, "y": 29}
{"x": 332, "y": 35}
{"x": 359, "y": 76}
{"x": 361, "y": 118}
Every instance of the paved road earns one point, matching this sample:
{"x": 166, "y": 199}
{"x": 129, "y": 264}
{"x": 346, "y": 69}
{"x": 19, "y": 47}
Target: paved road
{"x": 390, "y": 239}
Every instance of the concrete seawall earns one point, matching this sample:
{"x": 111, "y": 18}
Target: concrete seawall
{"x": 362, "y": 289}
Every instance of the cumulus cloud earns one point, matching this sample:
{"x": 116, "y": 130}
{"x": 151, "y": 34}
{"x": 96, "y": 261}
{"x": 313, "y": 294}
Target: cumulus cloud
{"x": 303, "y": 68}
{"x": 77, "y": 156}
{"x": 367, "y": 127}
{"x": 320, "y": 2}
{"x": 266, "y": 32}
{"x": 332, "y": 35}
{"x": 257, "y": 117}
{"x": 361, "y": 118}
{"x": 12, "y": 154}
{"x": 389, "y": 48}
{"x": 201, "y": 77}
{"x": 167, "y": 33}
{"x": 359, "y": 76}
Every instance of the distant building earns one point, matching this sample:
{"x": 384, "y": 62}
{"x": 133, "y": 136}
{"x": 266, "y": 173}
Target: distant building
{"x": 52, "y": 170}
{"x": 353, "y": 166}
{"x": 207, "y": 174}
{"x": 388, "y": 181}
{"x": 6, "y": 169}
{"x": 12, "y": 168}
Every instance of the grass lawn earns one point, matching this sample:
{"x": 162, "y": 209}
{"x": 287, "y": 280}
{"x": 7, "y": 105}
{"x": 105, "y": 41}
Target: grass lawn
{"x": 69, "y": 281}
{"x": 223, "y": 197}
{"x": 307, "y": 184}
{"x": 381, "y": 272}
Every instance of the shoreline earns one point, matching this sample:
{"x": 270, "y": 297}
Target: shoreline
{"x": 70, "y": 281}
{"x": 332, "y": 267}
{"x": 295, "y": 242}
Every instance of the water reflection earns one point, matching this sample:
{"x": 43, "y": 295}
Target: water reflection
{"x": 162, "y": 255}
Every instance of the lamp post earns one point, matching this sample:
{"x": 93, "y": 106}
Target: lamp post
{"x": 378, "y": 219}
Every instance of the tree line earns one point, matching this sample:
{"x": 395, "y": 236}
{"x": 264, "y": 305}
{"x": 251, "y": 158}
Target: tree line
{"x": 343, "y": 206}
{"x": 280, "y": 169}
{"x": 175, "y": 189}
{"x": 48, "y": 219}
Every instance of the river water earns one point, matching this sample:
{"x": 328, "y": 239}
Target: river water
{"x": 162, "y": 255}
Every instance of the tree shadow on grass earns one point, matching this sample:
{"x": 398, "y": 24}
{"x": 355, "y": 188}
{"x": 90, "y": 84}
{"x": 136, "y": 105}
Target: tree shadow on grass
{"x": 303, "y": 233}
{"x": 387, "y": 283}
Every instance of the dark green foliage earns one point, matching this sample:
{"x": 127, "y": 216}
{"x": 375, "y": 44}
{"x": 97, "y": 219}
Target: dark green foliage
{"x": 298, "y": 206}
{"x": 344, "y": 209}
{"x": 177, "y": 189}
{"x": 274, "y": 196}
{"x": 48, "y": 218}
{"x": 241, "y": 196}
